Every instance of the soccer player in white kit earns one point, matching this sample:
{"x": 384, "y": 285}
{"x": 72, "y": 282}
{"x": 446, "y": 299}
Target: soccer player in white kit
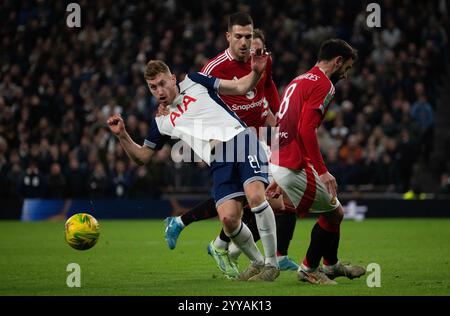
{"x": 200, "y": 118}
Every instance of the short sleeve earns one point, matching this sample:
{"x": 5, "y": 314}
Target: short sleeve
{"x": 155, "y": 140}
{"x": 320, "y": 96}
{"x": 205, "y": 80}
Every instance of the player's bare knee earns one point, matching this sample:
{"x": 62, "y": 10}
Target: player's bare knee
{"x": 230, "y": 223}
{"x": 255, "y": 197}
{"x": 256, "y": 200}
{"x": 255, "y": 193}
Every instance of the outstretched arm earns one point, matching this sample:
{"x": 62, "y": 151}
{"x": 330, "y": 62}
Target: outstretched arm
{"x": 139, "y": 154}
{"x": 248, "y": 82}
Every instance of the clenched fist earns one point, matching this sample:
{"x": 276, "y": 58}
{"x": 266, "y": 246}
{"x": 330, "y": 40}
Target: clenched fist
{"x": 116, "y": 124}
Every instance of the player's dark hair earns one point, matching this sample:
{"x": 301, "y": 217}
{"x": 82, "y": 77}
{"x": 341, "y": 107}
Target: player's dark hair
{"x": 258, "y": 33}
{"x": 239, "y": 18}
{"x": 336, "y": 47}
{"x": 154, "y": 68}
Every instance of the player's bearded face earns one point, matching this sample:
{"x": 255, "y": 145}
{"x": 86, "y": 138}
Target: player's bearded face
{"x": 163, "y": 87}
{"x": 341, "y": 71}
{"x": 240, "y": 39}
{"x": 336, "y": 76}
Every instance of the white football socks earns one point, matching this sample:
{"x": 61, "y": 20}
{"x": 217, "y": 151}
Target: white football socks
{"x": 242, "y": 237}
{"x": 219, "y": 243}
{"x": 233, "y": 251}
{"x": 265, "y": 220}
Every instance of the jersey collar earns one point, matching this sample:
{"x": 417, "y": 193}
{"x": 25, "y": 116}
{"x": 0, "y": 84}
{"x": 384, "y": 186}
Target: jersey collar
{"x": 321, "y": 70}
{"x": 228, "y": 54}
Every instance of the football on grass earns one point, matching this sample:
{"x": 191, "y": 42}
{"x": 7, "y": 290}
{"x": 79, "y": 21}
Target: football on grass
{"x": 82, "y": 231}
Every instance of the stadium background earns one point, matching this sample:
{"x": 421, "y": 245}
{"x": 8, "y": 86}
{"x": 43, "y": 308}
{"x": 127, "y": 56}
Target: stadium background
{"x": 386, "y": 137}
{"x": 58, "y": 85}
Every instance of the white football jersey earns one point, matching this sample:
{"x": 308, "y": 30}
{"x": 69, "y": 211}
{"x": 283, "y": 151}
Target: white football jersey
{"x": 197, "y": 116}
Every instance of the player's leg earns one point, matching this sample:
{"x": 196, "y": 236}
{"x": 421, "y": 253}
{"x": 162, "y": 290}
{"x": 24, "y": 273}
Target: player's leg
{"x": 331, "y": 222}
{"x": 285, "y": 219}
{"x": 224, "y": 242}
{"x": 285, "y": 231}
{"x": 227, "y": 189}
{"x": 285, "y": 223}
{"x": 269, "y": 272}
{"x": 299, "y": 190}
{"x": 265, "y": 220}
{"x": 234, "y": 252}
{"x": 249, "y": 219}
{"x": 175, "y": 224}
{"x": 253, "y": 172}
{"x": 309, "y": 269}
{"x": 230, "y": 215}
{"x": 325, "y": 233}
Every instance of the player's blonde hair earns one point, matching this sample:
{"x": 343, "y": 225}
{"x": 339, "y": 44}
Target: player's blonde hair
{"x": 154, "y": 68}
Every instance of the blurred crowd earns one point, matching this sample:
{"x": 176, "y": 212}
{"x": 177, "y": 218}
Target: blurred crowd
{"x": 58, "y": 85}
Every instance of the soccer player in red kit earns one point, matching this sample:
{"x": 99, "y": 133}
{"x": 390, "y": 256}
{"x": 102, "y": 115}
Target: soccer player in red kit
{"x": 255, "y": 109}
{"x": 252, "y": 108}
{"x": 298, "y": 168}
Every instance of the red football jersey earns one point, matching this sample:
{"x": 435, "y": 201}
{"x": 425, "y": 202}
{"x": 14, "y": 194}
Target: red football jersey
{"x": 303, "y": 106}
{"x": 251, "y": 108}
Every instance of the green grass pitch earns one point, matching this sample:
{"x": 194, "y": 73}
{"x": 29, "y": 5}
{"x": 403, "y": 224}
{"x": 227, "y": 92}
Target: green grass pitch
{"x": 132, "y": 258}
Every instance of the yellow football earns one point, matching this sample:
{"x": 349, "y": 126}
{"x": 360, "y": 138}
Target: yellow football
{"x": 82, "y": 231}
